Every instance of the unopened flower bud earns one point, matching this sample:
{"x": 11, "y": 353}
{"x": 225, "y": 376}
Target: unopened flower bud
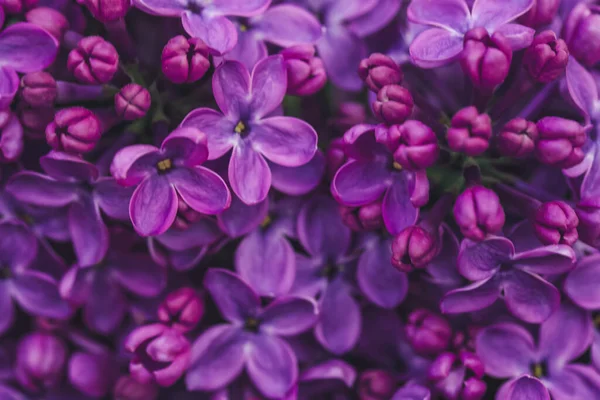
{"x": 38, "y": 89}
{"x": 107, "y": 10}
{"x": 469, "y": 132}
{"x": 517, "y": 138}
{"x": 540, "y": 14}
{"x": 181, "y": 309}
{"x": 18, "y": 6}
{"x": 546, "y": 58}
{"x": 376, "y": 384}
{"x": 93, "y": 61}
{"x": 394, "y": 104}
{"x": 478, "y": 212}
{"x": 560, "y": 141}
{"x": 443, "y": 374}
{"x": 418, "y": 146}
{"x": 35, "y": 119}
{"x": 11, "y": 137}
{"x": 365, "y": 218}
{"x": 305, "y": 73}
{"x": 128, "y": 388}
{"x": 428, "y": 333}
{"x": 41, "y": 360}
{"x": 414, "y": 247}
{"x": 185, "y": 60}
{"x": 348, "y": 114}
{"x": 54, "y": 22}
{"x": 74, "y": 130}
{"x": 379, "y": 70}
{"x": 555, "y": 222}
{"x": 335, "y": 156}
{"x": 132, "y": 102}
{"x": 582, "y": 35}
{"x": 92, "y": 374}
{"x": 484, "y": 59}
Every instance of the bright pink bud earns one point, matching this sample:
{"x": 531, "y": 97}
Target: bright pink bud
{"x": 93, "y": 61}
{"x": 132, "y": 102}
{"x": 49, "y": 19}
{"x": 560, "y": 141}
{"x": 555, "y": 222}
{"x": 418, "y": 146}
{"x": 428, "y": 333}
{"x": 414, "y": 247}
{"x": 394, "y": 104}
{"x": 306, "y": 73}
{"x": 185, "y": 60}
{"x": 181, "y": 309}
{"x": 546, "y": 58}
{"x": 74, "y": 130}
{"x": 379, "y": 70}
{"x": 517, "y": 138}
{"x": 469, "y": 132}
{"x": 38, "y": 89}
{"x": 478, "y": 212}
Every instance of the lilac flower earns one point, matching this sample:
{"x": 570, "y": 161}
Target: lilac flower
{"x": 329, "y": 378}
{"x": 34, "y": 291}
{"x": 450, "y": 20}
{"x": 162, "y": 174}
{"x": 372, "y": 174}
{"x": 500, "y": 271}
{"x": 11, "y": 137}
{"x": 246, "y": 100}
{"x": 207, "y": 19}
{"x": 74, "y": 183}
{"x": 284, "y": 25}
{"x": 36, "y": 51}
{"x": 250, "y": 339}
{"x": 509, "y": 351}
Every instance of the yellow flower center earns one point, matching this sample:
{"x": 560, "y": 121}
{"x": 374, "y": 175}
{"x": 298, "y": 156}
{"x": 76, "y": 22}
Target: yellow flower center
{"x": 165, "y": 164}
{"x": 397, "y": 166}
{"x": 266, "y": 222}
{"x": 240, "y": 128}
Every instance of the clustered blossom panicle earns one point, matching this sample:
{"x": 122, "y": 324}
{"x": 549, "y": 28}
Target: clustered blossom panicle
{"x": 299, "y": 199}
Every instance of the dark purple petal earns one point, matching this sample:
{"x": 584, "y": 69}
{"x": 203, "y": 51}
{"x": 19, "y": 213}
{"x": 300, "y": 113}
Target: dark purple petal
{"x": 235, "y": 298}
{"x": 297, "y": 181}
{"x": 153, "y": 206}
{"x": 68, "y": 167}
{"x": 435, "y": 47}
{"x": 132, "y": 164}
{"x": 88, "y": 232}
{"x": 218, "y": 32}
{"x": 505, "y": 349}
{"x": 36, "y": 47}
{"x": 106, "y": 305}
{"x": 139, "y": 275}
{"x": 267, "y": 86}
{"x": 272, "y": 365}
{"x": 554, "y": 259}
{"x": 481, "y": 260}
{"x": 452, "y": 15}
{"x": 309, "y": 280}
{"x": 397, "y": 208}
{"x": 341, "y": 52}
{"x": 360, "y": 182}
{"x": 202, "y": 189}
{"x": 18, "y": 246}
{"x": 200, "y": 233}
{"x": 524, "y": 387}
{"x": 112, "y": 198}
{"x": 491, "y": 14}
{"x": 529, "y": 297}
{"x": 40, "y": 190}
{"x": 288, "y": 316}
{"x": 581, "y": 285}
{"x": 287, "y": 25}
{"x": 240, "y": 218}
{"x": 231, "y": 88}
{"x": 7, "y": 309}
{"x": 9, "y": 85}
{"x": 38, "y": 294}
{"x": 474, "y": 297}
{"x": 187, "y": 146}
{"x": 249, "y": 174}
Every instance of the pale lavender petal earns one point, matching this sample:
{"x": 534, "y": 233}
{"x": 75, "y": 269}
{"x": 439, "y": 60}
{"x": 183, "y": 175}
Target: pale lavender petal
{"x": 40, "y": 190}
{"x": 220, "y": 133}
{"x": 565, "y": 336}
{"x": 321, "y": 229}
{"x": 518, "y": 36}
{"x": 271, "y": 365}
{"x": 217, "y": 358}
{"x": 359, "y": 183}
{"x": 38, "y": 294}
{"x": 506, "y": 350}
{"x": 287, "y": 25}
{"x": 381, "y": 283}
{"x": 235, "y": 298}
{"x": 267, "y": 86}
{"x": 88, "y": 232}
{"x": 554, "y": 259}
{"x": 7, "y": 309}
{"x": 249, "y": 50}
{"x": 153, "y": 206}
{"x": 286, "y": 141}
{"x": 289, "y": 316}
{"x": 11, "y": 140}
{"x": 581, "y": 86}
{"x": 397, "y": 209}
{"x": 377, "y": 18}
{"x": 106, "y": 305}
{"x": 240, "y": 218}
{"x": 339, "y": 325}
{"x": 9, "y": 85}
{"x": 529, "y": 297}
{"x": 36, "y": 47}
{"x": 491, "y": 13}
{"x": 524, "y": 387}
{"x": 435, "y": 47}
{"x": 267, "y": 262}
{"x": 341, "y": 52}
{"x": 166, "y": 8}
{"x": 202, "y": 189}
{"x": 112, "y": 198}
{"x": 447, "y": 14}
{"x": 249, "y": 174}
{"x": 582, "y": 284}
{"x": 481, "y": 260}
{"x": 218, "y": 32}
{"x": 474, "y": 297}
{"x": 138, "y": 274}
{"x": 297, "y": 181}
{"x": 126, "y": 166}
{"x": 231, "y": 89}
{"x": 246, "y": 8}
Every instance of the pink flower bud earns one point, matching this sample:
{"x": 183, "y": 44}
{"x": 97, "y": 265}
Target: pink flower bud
{"x": 555, "y": 222}
{"x": 93, "y": 61}
{"x": 132, "y": 102}
{"x": 418, "y": 146}
{"x": 517, "y": 138}
{"x": 38, "y": 89}
{"x": 546, "y": 58}
{"x": 74, "y": 130}
{"x": 185, "y": 60}
{"x": 181, "y": 309}
{"x": 394, "y": 104}
{"x": 478, "y": 212}
{"x": 379, "y": 70}
{"x": 305, "y": 72}
{"x": 469, "y": 132}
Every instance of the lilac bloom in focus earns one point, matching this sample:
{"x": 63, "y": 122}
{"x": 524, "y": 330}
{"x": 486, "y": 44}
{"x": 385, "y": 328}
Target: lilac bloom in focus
{"x": 34, "y": 291}
{"x": 372, "y": 174}
{"x": 36, "y": 51}
{"x": 250, "y": 339}
{"x": 161, "y": 175}
{"x": 207, "y": 19}
{"x": 245, "y": 101}
{"x": 450, "y": 20}
{"x": 74, "y": 183}
{"x": 499, "y": 271}
{"x": 534, "y": 368}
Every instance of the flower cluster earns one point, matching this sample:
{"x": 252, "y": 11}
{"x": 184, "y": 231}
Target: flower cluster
{"x": 299, "y": 199}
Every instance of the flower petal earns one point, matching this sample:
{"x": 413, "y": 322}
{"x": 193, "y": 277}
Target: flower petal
{"x": 68, "y": 167}
{"x": 240, "y": 218}
{"x": 359, "y": 183}
{"x": 249, "y": 50}
{"x": 165, "y": 8}
{"x": 138, "y": 274}
{"x": 9, "y": 85}
{"x": 581, "y": 285}
{"x": 235, "y": 298}
{"x": 153, "y": 206}
{"x": 18, "y": 245}
{"x": 286, "y": 141}
{"x": 11, "y": 140}
{"x": 272, "y": 365}
{"x": 481, "y": 260}
{"x": 435, "y": 47}
{"x": 7, "y": 309}
{"x": 524, "y": 387}
{"x": 266, "y": 260}
{"x": 381, "y": 283}
{"x": 581, "y": 87}
{"x": 518, "y": 36}
{"x": 218, "y": 32}
{"x": 249, "y": 174}
{"x": 554, "y": 259}
{"x": 217, "y": 358}
{"x": 246, "y": 8}
{"x": 342, "y": 51}
{"x": 36, "y": 48}
{"x": 492, "y": 14}
{"x": 506, "y": 350}
{"x": 40, "y": 190}
{"x": 297, "y": 181}
{"x": 375, "y": 19}
{"x": 186, "y": 145}
{"x": 38, "y": 294}
{"x": 112, "y": 198}
{"x": 267, "y": 86}
{"x": 220, "y": 134}
{"x": 287, "y": 25}
{"x": 447, "y": 14}
{"x": 106, "y": 305}
{"x": 474, "y": 297}
{"x": 529, "y": 297}
{"x": 202, "y": 189}
{"x": 131, "y": 164}
{"x": 231, "y": 89}
{"x": 88, "y": 232}
{"x": 397, "y": 209}
{"x": 200, "y": 233}
{"x": 289, "y": 316}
